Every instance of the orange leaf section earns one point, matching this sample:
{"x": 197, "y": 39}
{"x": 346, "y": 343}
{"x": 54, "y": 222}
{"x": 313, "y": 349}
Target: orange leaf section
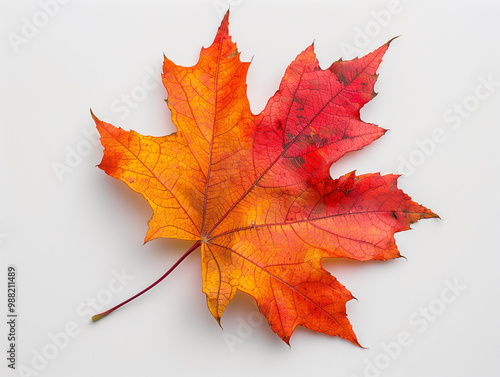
{"x": 256, "y": 189}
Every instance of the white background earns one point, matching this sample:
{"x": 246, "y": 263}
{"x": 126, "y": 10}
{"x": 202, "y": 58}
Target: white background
{"x": 70, "y": 233}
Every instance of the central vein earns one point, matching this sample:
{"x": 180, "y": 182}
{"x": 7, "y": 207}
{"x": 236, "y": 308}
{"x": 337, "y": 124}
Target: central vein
{"x": 214, "y": 117}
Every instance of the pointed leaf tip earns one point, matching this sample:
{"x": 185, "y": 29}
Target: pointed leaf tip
{"x": 390, "y": 40}
{"x": 93, "y": 116}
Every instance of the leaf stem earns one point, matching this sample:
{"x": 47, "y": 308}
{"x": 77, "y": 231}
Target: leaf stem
{"x": 97, "y": 317}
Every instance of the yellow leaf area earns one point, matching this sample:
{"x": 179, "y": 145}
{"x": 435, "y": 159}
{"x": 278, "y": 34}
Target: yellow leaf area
{"x": 255, "y": 189}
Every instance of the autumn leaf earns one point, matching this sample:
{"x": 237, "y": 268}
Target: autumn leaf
{"x": 254, "y": 191}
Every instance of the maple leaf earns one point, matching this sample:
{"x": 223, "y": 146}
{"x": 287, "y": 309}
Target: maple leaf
{"x": 254, "y": 191}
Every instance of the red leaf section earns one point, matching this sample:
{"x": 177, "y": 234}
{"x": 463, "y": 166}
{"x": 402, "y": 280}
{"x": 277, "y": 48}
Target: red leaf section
{"x": 313, "y": 119}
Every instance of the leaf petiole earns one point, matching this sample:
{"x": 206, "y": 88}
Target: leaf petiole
{"x": 97, "y": 317}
